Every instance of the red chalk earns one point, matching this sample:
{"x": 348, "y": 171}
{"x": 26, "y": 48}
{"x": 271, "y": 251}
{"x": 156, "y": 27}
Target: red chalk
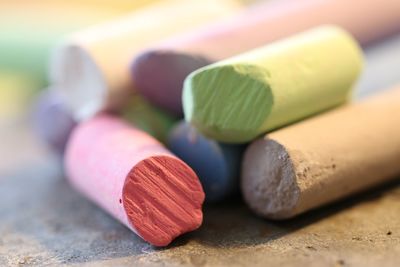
{"x": 133, "y": 177}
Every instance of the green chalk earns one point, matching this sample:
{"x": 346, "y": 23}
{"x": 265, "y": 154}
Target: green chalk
{"x": 148, "y": 118}
{"x": 238, "y": 99}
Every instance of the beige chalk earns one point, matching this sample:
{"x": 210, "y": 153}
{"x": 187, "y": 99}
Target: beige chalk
{"x": 91, "y": 67}
{"x": 325, "y": 158}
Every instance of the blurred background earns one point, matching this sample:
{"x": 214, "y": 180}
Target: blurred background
{"x": 28, "y": 31}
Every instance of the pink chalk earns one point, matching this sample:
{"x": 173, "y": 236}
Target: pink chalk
{"x": 159, "y": 71}
{"x": 366, "y": 20}
{"x": 134, "y": 178}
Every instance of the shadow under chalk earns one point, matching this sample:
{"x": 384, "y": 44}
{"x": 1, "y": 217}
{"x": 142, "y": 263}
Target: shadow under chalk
{"x": 37, "y": 204}
{"x": 232, "y": 224}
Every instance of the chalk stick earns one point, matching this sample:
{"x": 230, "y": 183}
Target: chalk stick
{"x": 148, "y": 118}
{"x": 52, "y": 121}
{"x": 92, "y": 66}
{"x": 323, "y": 159}
{"x": 216, "y": 164}
{"x": 237, "y": 99}
{"x": 173, "y": 59}
{"x": 134, "y": 178}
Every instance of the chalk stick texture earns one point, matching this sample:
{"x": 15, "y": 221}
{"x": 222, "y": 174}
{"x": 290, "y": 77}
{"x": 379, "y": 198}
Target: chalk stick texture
{"x": 173, "y": 59}
{"x": 320, "y": 160}
{"x": 237, "y": 99}
{"x": 134, "y": 178}
{"x": 216, "y": 164}
{"x": 92, "y": 66}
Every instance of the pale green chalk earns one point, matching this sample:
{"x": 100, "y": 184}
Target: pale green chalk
{"x": 148, "y": 118}
{"x": 238, "y": 99}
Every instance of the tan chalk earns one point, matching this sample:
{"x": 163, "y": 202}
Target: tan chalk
{"x": 325, "y": 158}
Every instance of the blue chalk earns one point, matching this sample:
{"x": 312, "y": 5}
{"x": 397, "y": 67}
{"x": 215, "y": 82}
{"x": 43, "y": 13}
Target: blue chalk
{"x": 216, "y": 164}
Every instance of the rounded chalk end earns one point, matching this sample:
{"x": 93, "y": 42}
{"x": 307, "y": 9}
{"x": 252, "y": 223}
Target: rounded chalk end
{"x": 228, "y": 103}
{"x": 52, "y": 122}
{"x": 216, "y": 164}
{"x": 268, "y": 183}
{"x": 159, "y": 75}
{"x": 162, "y": 197}
{"x": 79, "y": 79}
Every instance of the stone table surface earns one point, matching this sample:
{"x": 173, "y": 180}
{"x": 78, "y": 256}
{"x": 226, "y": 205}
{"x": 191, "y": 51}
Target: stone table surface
{"x": 44, "y": 222}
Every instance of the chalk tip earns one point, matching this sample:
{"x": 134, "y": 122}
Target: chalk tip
{"x": 228, "y": 102}
{"x": 80, "y": 80}
{"x": 52, "y": 121}
{"x": 163, "y": 199}
{"x": 269, "y": 184}
{"x": 204, "y": 156}
{"x": 159, "y": 76}
{"x": 216, "y": 164}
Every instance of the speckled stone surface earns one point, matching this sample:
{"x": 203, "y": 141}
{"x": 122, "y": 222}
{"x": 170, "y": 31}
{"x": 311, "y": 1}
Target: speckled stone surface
{"x": 44, "y": 222}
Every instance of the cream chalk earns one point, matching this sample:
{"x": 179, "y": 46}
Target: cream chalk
{"x": 91, "y": 67}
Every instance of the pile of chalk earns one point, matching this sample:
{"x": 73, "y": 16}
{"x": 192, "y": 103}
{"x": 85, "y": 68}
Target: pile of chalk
{"x": 186, "y": 101}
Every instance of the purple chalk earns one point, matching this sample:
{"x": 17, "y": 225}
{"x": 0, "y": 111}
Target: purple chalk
{"x": 52, "y": 121}
{"x": 157, "y": 69}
